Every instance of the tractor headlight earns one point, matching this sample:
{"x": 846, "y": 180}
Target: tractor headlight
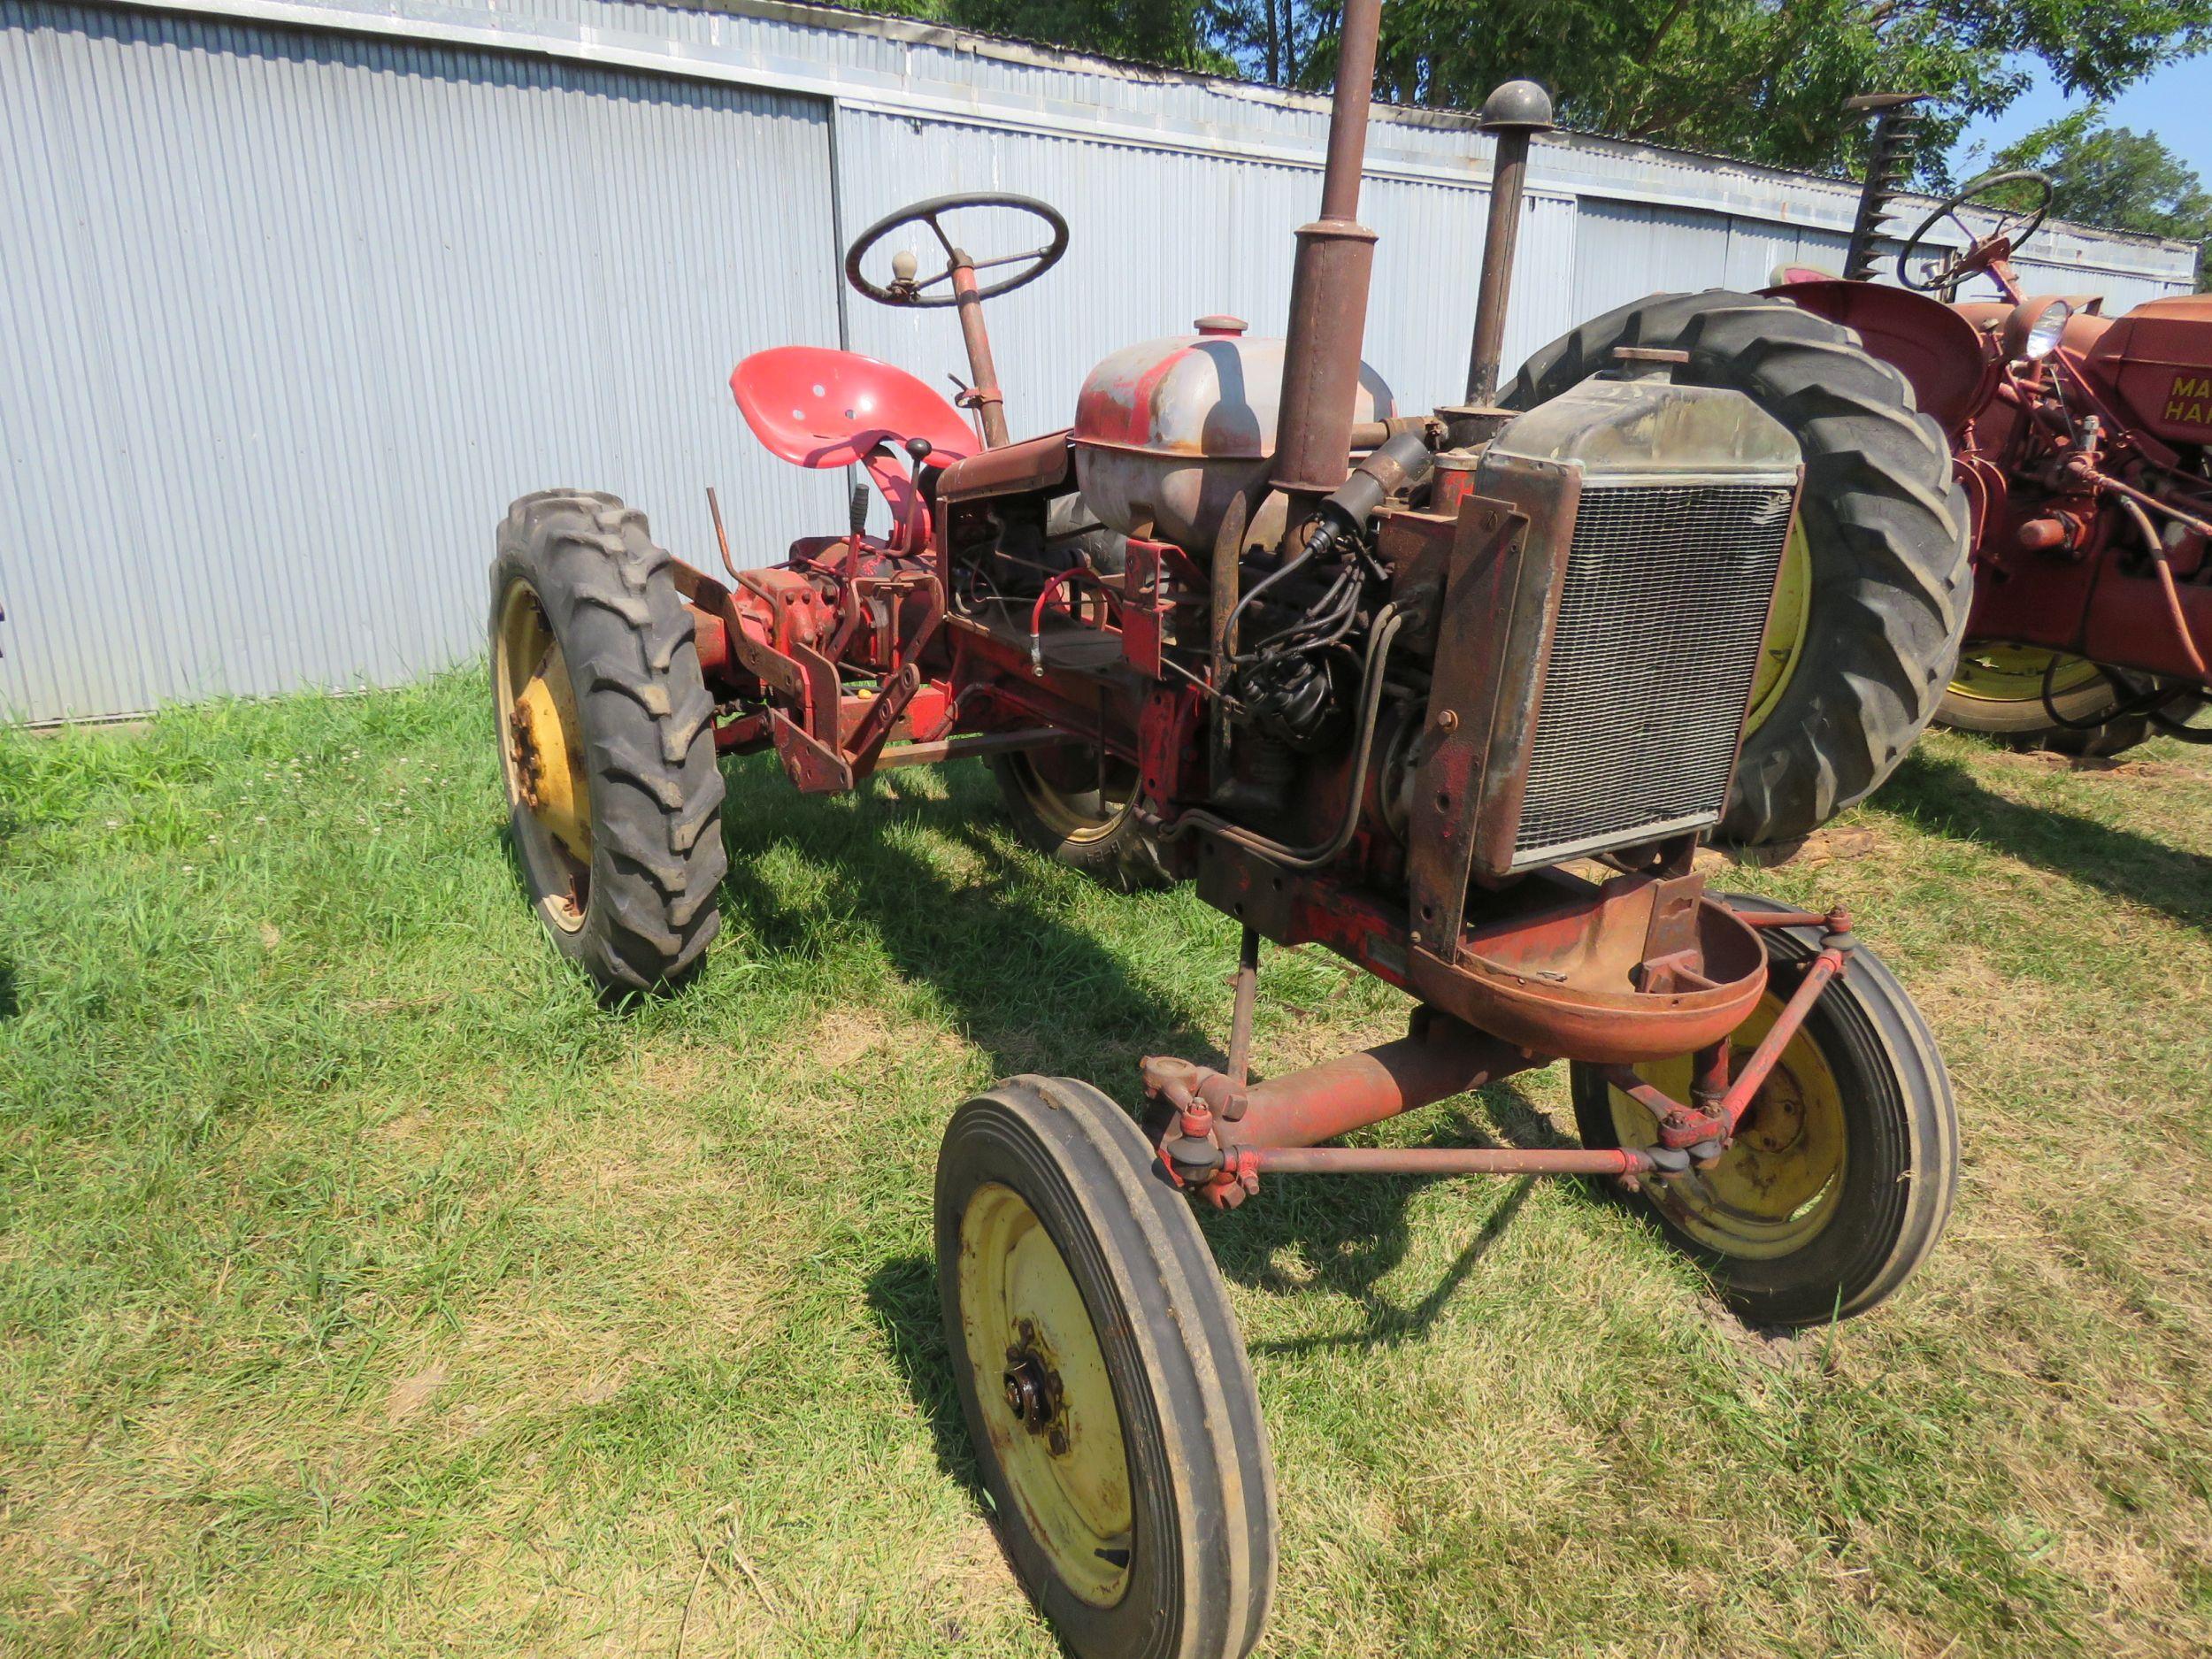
{"x": 2032, "y": 331}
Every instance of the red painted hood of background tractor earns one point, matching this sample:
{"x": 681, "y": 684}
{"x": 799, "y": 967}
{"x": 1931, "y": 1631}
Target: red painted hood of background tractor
{"x": 2157, "y": 362}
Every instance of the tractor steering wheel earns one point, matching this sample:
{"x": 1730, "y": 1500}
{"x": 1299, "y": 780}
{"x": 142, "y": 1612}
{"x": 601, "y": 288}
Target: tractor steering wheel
{"x": 904, "y": 290}
{"x": 1954, "y": 270}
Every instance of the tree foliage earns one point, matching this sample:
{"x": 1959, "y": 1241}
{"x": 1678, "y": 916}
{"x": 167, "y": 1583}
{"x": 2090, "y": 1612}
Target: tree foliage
{"x": 1766, "y": 80}
{"x": 1174, "y": 34}
{"x": 2117, "y": 177}
{"x": 1763, "y": 80}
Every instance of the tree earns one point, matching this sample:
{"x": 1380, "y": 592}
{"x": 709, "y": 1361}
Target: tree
{"x": 1762, "y": 79}
{"x": 1173, "y": 34}
{"x": 1272, "y": 40}
{"x": 1766, "y": 80}
{"x": 2117, "y": 178}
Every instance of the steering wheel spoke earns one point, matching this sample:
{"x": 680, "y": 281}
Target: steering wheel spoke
{"x": 905, "y": 290}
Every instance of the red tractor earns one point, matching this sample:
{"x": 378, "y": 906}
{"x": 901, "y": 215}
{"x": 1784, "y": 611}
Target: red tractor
{"x": 1455, "y": 694}
{"x": 2084, "y": 445}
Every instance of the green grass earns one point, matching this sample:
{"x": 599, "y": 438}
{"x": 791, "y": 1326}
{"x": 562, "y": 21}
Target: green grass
{"x": 366, "y": 1288}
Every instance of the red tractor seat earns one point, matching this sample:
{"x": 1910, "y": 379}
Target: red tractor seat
{"x": 815, "y": 407}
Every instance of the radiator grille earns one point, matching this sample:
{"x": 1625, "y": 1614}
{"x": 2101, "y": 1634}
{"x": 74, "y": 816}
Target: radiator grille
{"x": 1661, "y": 614}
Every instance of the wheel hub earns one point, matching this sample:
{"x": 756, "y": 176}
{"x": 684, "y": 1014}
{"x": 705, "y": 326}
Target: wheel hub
{"x": 1776, "y": 1120}
{"x": 1043, "y": 1391}
{"x": 1774, "y": 1189}
{"x": 540, "y": 724}
{"x": 1034, "y": 1393}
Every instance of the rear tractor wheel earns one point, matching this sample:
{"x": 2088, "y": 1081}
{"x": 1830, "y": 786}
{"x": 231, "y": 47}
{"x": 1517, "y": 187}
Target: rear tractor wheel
{"x": 607, "y": 734}
{"x": 2009, "y": 692}
{"x": 1069, "y": 805}
{"x": 1872, "y": 598}
{"x": 1842, "y": 1173}
{"x": 1104, "y": 1383}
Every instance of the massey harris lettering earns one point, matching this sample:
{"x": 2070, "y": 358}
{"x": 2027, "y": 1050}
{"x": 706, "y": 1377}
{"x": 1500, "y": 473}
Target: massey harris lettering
{"x": 2189, "y": 400}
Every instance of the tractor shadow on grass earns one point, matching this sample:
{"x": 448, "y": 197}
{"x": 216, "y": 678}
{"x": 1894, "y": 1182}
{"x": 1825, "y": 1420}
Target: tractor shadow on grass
{"x": 1942, "y": 797}
{"x": 1350, "y": 1233}
{"x": 1016, "y": 978}
{"x": 902, "y": 1295}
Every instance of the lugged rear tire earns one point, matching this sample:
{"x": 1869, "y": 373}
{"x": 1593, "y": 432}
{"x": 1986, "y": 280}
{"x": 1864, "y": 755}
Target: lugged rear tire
{"x": 578, "y": 589}
{"x": 1885, "y": 530}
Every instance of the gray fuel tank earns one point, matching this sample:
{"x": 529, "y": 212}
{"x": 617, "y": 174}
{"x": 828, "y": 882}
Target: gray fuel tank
{"x": 1167, "y": 432}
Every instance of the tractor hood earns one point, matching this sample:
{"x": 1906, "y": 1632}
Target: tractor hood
{"x": 2157, "y": 359}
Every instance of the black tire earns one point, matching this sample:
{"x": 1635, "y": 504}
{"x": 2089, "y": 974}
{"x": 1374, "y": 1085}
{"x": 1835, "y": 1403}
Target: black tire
{"x": 643, "y": 743}
{"x": 1898, "y": 1168}
{"x": 1195, "y": 1576}
{"x": 1068, "y": 818}
{"x": 1886, "y": 530}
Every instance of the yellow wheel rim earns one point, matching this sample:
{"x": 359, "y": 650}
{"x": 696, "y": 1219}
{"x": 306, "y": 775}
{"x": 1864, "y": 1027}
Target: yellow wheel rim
{"x": 1084, "y": 812}
{"x": 1776, "y": 1187}
{"x": 1047, "y": 1401}
{"x": 1785, "y": 628}
{"x": 541, "y": 742}
{"x": 2014, "y": 673}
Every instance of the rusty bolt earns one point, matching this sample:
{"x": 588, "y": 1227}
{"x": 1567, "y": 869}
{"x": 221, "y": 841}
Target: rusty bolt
{"x": 1448, "y": 721}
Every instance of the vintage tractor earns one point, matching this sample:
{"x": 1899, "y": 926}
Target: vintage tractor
{"x": 1455, "y": 694}
{"x": 2084, "y": 443}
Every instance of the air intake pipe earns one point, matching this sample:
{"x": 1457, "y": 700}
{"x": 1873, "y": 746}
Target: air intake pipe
{"x": 1512, "y": 114}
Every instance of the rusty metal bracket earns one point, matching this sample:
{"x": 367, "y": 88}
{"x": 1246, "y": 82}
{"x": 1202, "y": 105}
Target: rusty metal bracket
{"x": 1705, "y": 1134}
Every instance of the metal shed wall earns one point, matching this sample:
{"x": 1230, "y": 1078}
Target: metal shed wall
{"x": 290, "y": 317}
{"x": 299, "y": 293}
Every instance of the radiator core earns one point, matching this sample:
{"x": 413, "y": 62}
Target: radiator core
{"x": 1663, "y": 612}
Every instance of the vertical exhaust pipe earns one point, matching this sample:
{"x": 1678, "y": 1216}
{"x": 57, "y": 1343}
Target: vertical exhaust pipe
{"x": 1512, "y": 114}
{"x": 1328, "y": 290}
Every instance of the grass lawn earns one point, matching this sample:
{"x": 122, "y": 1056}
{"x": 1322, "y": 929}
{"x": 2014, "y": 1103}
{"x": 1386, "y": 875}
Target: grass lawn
{"x": 367, "y": 1289}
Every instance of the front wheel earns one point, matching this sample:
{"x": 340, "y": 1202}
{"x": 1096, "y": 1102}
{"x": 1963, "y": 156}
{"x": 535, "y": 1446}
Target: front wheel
{"x": 1842, "y": 1173}
{"x": 1105, "y": 1386}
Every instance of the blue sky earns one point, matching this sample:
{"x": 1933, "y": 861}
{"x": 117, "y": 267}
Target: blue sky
{"x": 2176, "y": 104}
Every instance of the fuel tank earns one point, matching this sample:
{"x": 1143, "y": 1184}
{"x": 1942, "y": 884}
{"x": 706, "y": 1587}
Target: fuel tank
{"x": 1167, "y": 432}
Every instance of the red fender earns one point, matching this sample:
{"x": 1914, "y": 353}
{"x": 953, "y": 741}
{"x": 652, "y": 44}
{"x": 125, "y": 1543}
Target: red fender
{"x": 1942, "y": 357}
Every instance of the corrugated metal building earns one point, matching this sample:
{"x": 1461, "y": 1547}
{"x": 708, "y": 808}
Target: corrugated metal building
{"x": 300, "y": 293}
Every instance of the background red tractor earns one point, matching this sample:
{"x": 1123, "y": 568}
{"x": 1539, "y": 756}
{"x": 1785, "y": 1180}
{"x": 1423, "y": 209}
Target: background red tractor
{"x": 2084, "y": 443}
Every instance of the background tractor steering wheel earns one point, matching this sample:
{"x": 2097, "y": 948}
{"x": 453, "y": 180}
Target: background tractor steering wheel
{"x": 905, "y": 290}
{"x": 1957, "y": 269}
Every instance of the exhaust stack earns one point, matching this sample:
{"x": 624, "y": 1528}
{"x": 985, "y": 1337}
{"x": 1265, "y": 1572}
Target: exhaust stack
{"x": 1328, "y": 289}
{"x": 1512, "y": 114}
